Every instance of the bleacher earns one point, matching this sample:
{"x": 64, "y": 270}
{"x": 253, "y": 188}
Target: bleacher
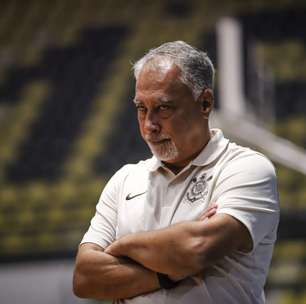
{"x": 124, "y": 146}
{"x": 67, "y": 121}
{"x": 74, "y": 75}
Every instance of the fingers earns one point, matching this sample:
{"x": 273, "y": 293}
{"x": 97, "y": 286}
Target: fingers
{"x": 108, "y": 250}
{"x": 113, "y": 249}
{"x": 209, "y": 212}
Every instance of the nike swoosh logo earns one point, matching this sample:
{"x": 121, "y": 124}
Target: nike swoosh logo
{"x": 129, "y": 196}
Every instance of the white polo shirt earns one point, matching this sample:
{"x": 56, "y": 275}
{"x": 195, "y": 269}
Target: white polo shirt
{"x": 148, "y": 196}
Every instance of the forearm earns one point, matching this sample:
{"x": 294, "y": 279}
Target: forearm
{"x": 186, "y": 248}
{"x": 99, "y": 275}
{"x": 163, "y": 251}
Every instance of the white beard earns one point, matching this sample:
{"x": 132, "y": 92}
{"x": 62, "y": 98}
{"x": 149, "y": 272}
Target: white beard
{"x": 165, "y": 151}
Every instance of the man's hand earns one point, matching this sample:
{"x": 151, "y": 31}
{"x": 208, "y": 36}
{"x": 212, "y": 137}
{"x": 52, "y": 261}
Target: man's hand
{"x": 209, "y": 212}
{"x": 205, "y": 216}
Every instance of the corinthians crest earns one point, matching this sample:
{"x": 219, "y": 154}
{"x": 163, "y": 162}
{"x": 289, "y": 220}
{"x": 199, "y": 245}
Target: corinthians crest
{"x": 197, "y": 189}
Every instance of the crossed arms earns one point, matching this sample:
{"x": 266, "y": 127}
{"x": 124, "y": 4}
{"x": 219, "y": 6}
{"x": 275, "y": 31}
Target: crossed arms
{"x": 128, "y": 267}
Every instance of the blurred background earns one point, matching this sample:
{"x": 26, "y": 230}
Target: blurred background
{"x": 67, "y": 122}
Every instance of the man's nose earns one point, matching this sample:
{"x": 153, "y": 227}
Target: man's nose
{"x": 151, "y": 123}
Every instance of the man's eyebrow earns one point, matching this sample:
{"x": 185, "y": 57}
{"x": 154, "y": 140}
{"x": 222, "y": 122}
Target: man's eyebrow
{"x": 162, "y": 100}
{"x": 165, "y": 100}
{"x": 136, "y": 101}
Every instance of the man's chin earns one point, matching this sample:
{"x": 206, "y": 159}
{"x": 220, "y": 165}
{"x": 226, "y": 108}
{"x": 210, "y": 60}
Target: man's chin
{"x": 165, "y": 158}
{"x": 166, "y": 152}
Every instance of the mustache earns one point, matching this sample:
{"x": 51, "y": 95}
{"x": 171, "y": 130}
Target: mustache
{"x": 156, "y": 138}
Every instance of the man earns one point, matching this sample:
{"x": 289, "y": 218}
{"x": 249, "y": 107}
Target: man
{"x": 197, "y": 222}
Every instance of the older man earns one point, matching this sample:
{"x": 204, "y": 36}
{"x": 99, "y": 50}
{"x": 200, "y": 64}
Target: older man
{"x": 157, "y": 235}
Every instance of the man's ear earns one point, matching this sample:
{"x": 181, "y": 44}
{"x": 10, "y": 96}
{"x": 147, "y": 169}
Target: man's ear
{"x": 206, "y": 100}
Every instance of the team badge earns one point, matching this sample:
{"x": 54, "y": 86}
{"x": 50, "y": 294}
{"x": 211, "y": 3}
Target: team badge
{"x": 197, "y": 189}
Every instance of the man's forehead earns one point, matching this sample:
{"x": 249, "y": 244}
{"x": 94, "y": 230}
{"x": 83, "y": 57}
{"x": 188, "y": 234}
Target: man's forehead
{"x": 153, "y": 77}
{"x": 160, "y": 63}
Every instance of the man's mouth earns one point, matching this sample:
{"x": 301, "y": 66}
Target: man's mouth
{"x": 158, "y": 141}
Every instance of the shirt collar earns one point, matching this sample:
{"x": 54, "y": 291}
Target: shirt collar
{"x": 210, "y": 152}
{"x": 153, "y": 164}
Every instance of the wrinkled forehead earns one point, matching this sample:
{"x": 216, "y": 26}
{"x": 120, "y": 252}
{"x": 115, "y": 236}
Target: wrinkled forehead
{"x": 153, "y": 84}
{"x": 157, "y": 74}
{"x": 158, "y": 63}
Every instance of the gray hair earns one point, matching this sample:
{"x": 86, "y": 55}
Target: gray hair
{"x": 197, "y": 70}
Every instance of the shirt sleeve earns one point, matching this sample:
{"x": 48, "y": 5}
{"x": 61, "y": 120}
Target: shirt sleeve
{"x": 247, "y": 190}
{"x": 102, "y": 230}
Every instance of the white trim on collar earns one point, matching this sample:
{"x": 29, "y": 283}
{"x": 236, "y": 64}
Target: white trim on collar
{"x": 212, "y": 150}
{"x": 153, "y": 164}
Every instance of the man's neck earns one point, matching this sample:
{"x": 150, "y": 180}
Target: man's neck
{"x": 173, "y": 168}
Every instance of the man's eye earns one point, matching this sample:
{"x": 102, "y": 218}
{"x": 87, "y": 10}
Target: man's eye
{"x": 165, "y": 111}
{"x": 141, "y": 109}
{"x": 164, "y": 108}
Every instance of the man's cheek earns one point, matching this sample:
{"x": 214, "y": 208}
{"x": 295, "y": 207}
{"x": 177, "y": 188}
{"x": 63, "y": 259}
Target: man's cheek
{"x": 141, "y": 129}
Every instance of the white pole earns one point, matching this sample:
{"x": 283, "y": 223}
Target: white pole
{"x": 230, "y": 56}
